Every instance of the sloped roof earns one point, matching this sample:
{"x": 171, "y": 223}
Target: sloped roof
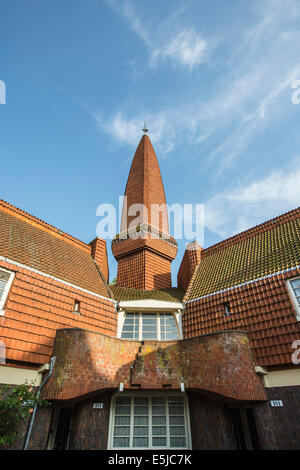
{"x": 260, "y": 251}
{"x": 38, "y": 245}
{"x": 172, "y": 294}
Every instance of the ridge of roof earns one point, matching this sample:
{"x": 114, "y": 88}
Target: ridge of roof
{"x": 252, "y": 231}
{"x": 33, "y": 220}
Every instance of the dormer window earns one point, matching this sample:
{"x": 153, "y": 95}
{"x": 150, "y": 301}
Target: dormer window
{"x": 294, "y": 289}
{"x": 150, "y": 326}
{"x": 6, "y": 278}
{"x": 76, "y": 308}
{"x": 226, "y": 309}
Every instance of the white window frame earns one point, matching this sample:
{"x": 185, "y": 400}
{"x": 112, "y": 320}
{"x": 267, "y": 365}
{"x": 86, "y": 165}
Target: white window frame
{"x": 150, "y": 394}
{"x": 292, "y": 296}
{"x": 6, "y": 290}
{"x": 176, "y": 316}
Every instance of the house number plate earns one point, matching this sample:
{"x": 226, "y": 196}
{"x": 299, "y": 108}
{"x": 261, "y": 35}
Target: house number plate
{"x": 276, "y": 403}
{"x": 98, "y": 405}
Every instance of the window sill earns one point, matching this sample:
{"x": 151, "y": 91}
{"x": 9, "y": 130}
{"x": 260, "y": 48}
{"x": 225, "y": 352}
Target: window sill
{"x": 2, "y": 313}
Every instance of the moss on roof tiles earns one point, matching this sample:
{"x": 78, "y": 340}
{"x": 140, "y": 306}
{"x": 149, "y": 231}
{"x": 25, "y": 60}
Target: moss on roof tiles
{"x": 39, "y": 249}
{"x": 172, "y": 294}
{"x": 261, "y": 253}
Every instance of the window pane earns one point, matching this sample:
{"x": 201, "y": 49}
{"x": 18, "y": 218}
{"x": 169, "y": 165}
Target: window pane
{"x": 140, "y": 431}
{"x": 158, "y": 401}
{"x": 131, "y": 326}
{"x": 140, "y": 442}
{"x": 149, "y": 335}
{"x": 122, "y": 420}
{"x": 159, "y": 441}
{"x": 159, "y": 430}
{"x": 176, "y": 420}
{"x": 1, "y": 293}
{"x": 160, "y": 420}
{"x": 4, "y": 276}
{"x": 158, "y": 410}
{"x": 297, "y": 291}
{"x": 139, "y": 420}
{"x": 177, "y": 431}
{"x": 295, "y": 283}
{"x": 121, "y": 441}
{"x": 123, "y": 410}
{"x": 168, "y": 327}
{"x": 2, "y": 285}
{"x": 176, "y": 410}
{"x": 123, "y": 401}
{"x": 141, "y": 410}
{"x": 178, "y": 442}
{"x": 122, "y": 431}
{"x": 141, "y": 401}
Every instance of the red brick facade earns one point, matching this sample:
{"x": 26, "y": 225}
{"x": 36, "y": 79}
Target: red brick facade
{"x": 262, "y": 308}
{"x": 38, "y": 305}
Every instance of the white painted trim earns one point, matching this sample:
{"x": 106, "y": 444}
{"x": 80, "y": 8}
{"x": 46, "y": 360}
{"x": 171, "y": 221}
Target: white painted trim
{"x": 7, "y": 289}
{"x": 282, "y": 378}
{"x": 292, "y": 295}
{"x": 141, "y": 393}
{"x": 18, "y": 376}
{"x": 49, "y": 276}
{"x": 243, "y": 284}
{"x": 150, "y": 304}
{"x": 121, "y": 318}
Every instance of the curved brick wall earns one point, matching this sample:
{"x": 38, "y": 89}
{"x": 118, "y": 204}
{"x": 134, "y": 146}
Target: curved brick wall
{"x": 87, "y": 362}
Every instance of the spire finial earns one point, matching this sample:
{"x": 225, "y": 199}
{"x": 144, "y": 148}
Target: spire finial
{"x": 145, "y": 130}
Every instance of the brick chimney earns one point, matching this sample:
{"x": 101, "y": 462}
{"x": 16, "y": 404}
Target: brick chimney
{"x": 99, "y": 253}
{"x": 190, "y": 260}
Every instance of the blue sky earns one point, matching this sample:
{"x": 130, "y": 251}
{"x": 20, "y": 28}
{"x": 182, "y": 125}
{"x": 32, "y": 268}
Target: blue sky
{"x": 212, "y": 79}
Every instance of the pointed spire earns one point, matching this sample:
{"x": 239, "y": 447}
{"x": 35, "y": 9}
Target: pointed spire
{"x": 145, "y": 187}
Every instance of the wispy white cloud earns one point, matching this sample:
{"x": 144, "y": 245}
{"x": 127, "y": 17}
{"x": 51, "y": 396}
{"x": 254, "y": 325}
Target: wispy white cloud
{"x": 187, "y": 48}
{"x": 251, "y": 97}
{"x": 128, "y": 130}
{"x": 230, "y": 212}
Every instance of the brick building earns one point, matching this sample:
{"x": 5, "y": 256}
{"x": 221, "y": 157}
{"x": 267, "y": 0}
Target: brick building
{"x": 209, "y": 364}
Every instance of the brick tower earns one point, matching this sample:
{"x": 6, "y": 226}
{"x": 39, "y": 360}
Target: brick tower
{"x": 144, "y": 249}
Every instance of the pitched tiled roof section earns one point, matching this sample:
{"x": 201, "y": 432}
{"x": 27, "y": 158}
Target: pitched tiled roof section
{"x": 172, "y": 294}
{"x": 38, "y": 245}
{"x": 145, "y": 186}
{"x": 260, "y": 251}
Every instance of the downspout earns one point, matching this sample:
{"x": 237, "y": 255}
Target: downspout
{"x": 52, "y": 362}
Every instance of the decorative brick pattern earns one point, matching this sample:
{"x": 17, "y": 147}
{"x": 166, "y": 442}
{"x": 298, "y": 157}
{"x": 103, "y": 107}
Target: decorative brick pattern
{"x": 261, "y": 308}
{"x": 37, "y": 306}
{"x": 99, "y": 253}
{"x": 190, "y": 261}
{"x": 145, "y": 186}
{"x": 221, "y": 364}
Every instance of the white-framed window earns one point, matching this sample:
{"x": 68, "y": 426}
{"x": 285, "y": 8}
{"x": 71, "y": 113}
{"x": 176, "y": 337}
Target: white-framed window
{"x": 150, "y": 326}
{"x": 294, "y": 289}
{"x": 149, "y": 421}
{"x": 6, "y": 278}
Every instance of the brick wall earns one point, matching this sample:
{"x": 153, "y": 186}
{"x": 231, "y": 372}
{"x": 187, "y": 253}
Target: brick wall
{"x": 88, "y": 362}
{"x": 262, "y": 308}
{"x": 37, "y": 306}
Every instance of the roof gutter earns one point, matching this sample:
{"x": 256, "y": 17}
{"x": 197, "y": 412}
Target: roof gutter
{"x": 52, "y": 362}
